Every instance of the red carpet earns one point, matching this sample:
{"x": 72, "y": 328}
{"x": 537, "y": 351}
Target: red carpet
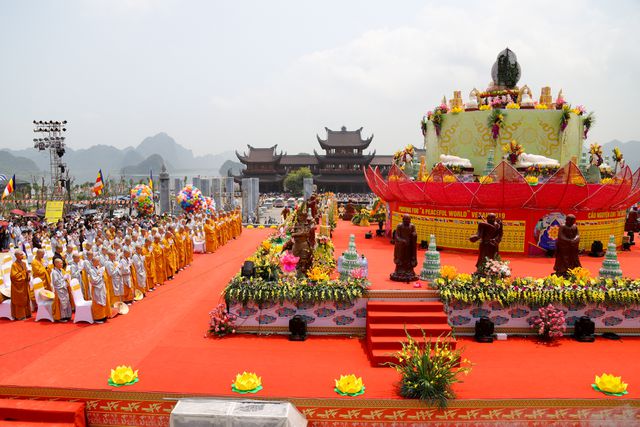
{"x": 163, "y": 337}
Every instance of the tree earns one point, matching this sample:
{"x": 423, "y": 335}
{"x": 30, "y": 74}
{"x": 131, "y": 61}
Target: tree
{"x": 294, "y": 179}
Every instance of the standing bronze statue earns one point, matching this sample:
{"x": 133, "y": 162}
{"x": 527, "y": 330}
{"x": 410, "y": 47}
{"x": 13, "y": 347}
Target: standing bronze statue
{"x": 304, "y": 238}
{"x": 405, "y": 251}
{"x": 490, "y": 235}
{"x": 567, "y": 247}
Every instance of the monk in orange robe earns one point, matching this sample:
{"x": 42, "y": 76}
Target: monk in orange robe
{"x": 39, "y": 271}
{"x": 158, "y": 256}
{"x": 209, "y": 237}
{"x": 20, "y": 308}
{"x": 169, "y": 256}
{"x": 149, "y": 265}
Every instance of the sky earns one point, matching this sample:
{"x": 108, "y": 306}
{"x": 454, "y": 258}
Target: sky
{"x": 217, "y": 75}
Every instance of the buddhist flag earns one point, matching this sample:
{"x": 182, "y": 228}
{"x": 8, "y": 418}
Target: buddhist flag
{"x": 151, "y": 179}
{"x": 10, "y": 187}
{"x": 99, "y": 185}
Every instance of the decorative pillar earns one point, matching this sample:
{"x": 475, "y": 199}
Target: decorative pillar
{"x": 164, "y": 191}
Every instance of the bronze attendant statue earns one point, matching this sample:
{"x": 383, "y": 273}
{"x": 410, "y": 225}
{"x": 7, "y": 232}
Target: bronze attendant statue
{"x": 567, "y": 247}
{"x": 490, "y": 235}
{"x": 405, "y": 251}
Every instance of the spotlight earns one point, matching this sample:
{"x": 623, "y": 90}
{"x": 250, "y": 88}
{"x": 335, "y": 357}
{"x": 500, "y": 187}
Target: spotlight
{"x": 297, "y": 328}
{"x": 584, "y": 330}
{"x": 484, "y": 330}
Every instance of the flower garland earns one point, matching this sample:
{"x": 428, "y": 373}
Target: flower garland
{"x": 566, "y": 115}
{"x": 495, "y": 123}
{"x": 548, "y": 290}
{"x": 587, "y": 122}
{"x": 257, "y": 290}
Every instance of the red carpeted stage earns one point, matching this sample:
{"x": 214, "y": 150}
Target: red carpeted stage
{"x": 163, "y": 336}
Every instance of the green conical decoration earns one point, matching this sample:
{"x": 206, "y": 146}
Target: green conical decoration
{"x": 490, "y": 165}
{"x": 611, "y": 265}
{"x": 584, "y": 163}
{"x": 431, "y": 264}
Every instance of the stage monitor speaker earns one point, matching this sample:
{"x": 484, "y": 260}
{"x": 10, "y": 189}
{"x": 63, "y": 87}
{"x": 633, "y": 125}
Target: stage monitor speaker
{"x": 235, "y": 412}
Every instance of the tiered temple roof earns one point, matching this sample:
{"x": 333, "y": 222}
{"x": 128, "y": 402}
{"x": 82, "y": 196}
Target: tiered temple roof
{"x": 340, "y": 169}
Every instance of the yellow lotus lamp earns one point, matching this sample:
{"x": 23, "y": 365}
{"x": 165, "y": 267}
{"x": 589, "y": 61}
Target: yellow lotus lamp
{"x": 247, "y": 382}
{"x": 123, "y": 375}
{"x": 610, "y": 385}
{"x": 349, "y": 385}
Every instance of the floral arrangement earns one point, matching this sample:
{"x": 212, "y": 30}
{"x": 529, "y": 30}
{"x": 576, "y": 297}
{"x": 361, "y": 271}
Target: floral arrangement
{"x": 495, "y": 123}
{"x": 378, "y": 211}
{"x": 449, "y": 179}
{"x": 456, "y": 110}
{"x": 358, "y": 273}
{"x": 485, "y": 180}
{"x": 495, "y": 269}
{"x": 221, "y": 322}
{"x": 579, "y": 110}
{"x": 513, "y": 106}
{"x": 564, "y": 118}
{"x": 610, "y": 385}
{"x": 548, "y": 290}
{"x": 423, "y": 124}
{"x": 610, "y": 181}
{"x": 437, "y": 117}
{"x": 579, "y": 274}
{"x": 539, "y": 170}
{"x": 349, "y": 385}
{"x": 362, "y": 218}
{"x": 531, "y": 180}
{"x": 595, "y": 151}
{"x": 429, "y": 369}
{"x": 541, "y": 106}
{"x": 606, "y": 172}
{"x": 513, "y": 150}
{"x": 485, "y": 107}
{"x": 587, "y": 122}
{"x": 550, "y": 322}
{"x": 500, "y": 92}
{"x": 448, "y": 272}
{"x": 404, "y": 157}
{"x": 247, "y": 382}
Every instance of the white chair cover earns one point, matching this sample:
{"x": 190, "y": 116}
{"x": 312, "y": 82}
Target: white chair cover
{"x": 5, "y": 306}
{"x": 45, "y": 305}
{"x": 198, "y": 246}
{"x": 83, "y": 307}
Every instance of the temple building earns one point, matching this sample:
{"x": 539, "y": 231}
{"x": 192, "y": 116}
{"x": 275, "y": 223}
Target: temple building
{"x": 339, "y": 169}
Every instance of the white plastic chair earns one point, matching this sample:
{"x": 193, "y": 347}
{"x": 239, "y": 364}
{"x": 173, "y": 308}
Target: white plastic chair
{"x": 198, "y": 246}
{"x": 45, "y": 305}
{"x": 5, "y": 306}
{"x": 83, "y": 307}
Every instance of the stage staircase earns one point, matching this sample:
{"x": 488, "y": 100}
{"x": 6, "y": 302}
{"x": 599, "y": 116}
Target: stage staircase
{"x": 386, "y": 322}
{"x": 41, "y": 413}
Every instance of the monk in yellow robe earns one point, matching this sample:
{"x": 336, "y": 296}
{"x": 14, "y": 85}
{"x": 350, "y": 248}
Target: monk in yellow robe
{"x": 39, "y": 271}
{"x": 100, "y": 308}
{"x": 209, "y": 237}
{"x": 20, "y": 303}
{"x": 182, "y": 250}
{"x": 149, "y": 265}
{"x": 158, "y": 256}
{"x": 169, "y": 256}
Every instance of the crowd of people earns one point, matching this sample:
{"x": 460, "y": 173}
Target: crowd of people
{"x": 115, "y": 262}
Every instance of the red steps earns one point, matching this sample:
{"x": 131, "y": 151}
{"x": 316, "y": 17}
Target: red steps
{"x": 43, "y": 413}
{"x": 388, "y": 320}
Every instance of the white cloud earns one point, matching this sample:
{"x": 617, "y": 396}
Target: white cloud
{"x": 385, "y": 79}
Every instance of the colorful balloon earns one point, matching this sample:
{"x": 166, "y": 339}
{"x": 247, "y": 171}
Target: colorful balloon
{"x": 142, "y": 198}
{"x": 190, "y": 199}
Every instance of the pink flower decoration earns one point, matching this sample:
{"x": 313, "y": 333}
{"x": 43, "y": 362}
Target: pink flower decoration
{"x": 289, "y": 262}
